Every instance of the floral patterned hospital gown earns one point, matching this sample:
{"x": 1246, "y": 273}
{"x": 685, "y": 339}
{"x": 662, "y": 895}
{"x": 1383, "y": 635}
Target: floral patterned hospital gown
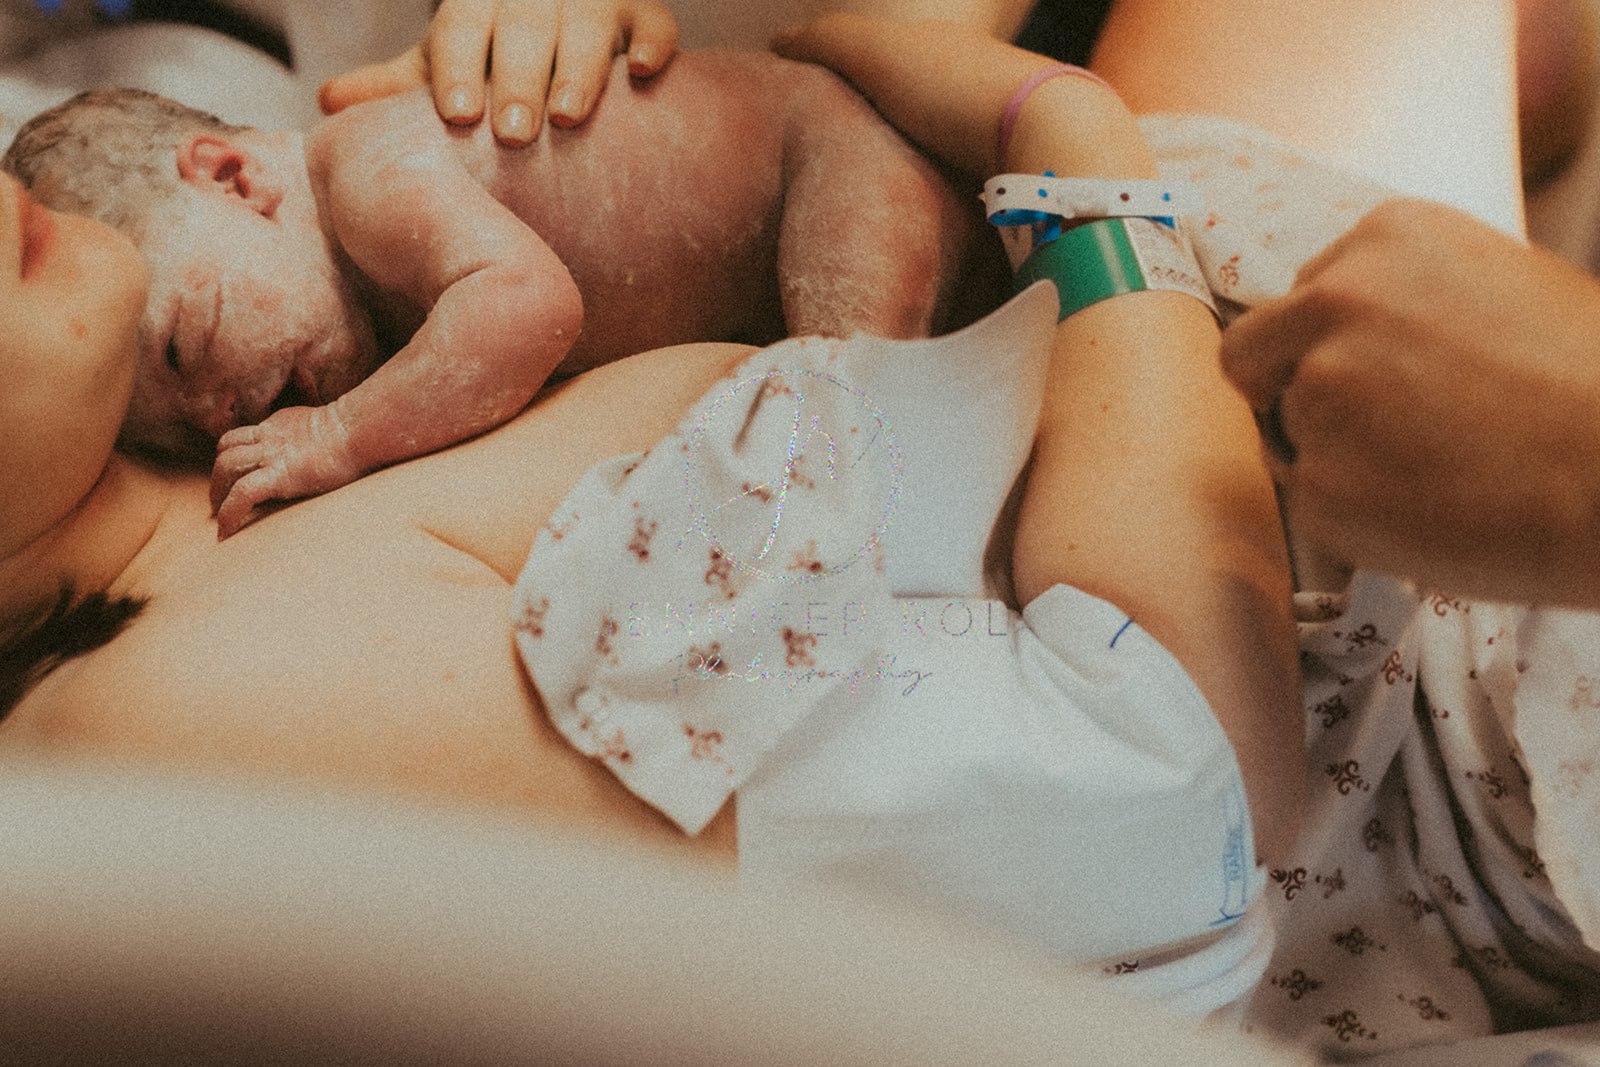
{"x": 1445, "y": 881}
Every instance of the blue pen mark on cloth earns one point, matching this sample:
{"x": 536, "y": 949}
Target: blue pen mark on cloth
{"x": 1235, "y": 864}
{"x": 1118, "y": 635}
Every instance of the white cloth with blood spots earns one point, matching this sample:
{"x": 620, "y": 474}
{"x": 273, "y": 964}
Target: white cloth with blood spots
{"x": 635, "y": 567}
{"x": 715, "y": 556}
{"x": 1052, "y": 775}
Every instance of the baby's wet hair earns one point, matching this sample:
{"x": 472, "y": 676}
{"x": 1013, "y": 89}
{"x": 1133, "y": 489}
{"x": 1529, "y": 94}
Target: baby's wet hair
{"x": 109, "y": 154}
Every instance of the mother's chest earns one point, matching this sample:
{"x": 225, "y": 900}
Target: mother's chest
{"x": 349, "y": 659}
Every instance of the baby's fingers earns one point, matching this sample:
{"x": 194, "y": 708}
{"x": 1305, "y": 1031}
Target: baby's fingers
{"x": 257, "y": 487}
{"x": 238, "y": 453}
{"x": 404, "y": 72}
{"x": 242, "y": 477}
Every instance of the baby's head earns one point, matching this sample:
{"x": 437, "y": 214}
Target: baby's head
{"x": 248, "y": 310}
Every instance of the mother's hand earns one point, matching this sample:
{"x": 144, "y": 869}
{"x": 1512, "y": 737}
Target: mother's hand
{"x": 1438, "y": 386}
{"x": 520, "y": 41}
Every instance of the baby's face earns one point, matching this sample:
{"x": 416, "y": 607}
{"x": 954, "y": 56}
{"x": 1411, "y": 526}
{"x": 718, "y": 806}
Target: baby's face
{"x": 246, "y": 314}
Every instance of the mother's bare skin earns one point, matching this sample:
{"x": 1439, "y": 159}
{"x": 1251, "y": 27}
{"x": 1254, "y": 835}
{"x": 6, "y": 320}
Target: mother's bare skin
{"x": 359, "y": 641}
{"x": 737, "y": 197}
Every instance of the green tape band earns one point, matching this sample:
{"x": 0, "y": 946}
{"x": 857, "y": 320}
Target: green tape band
{"x": 1109, "y": 257}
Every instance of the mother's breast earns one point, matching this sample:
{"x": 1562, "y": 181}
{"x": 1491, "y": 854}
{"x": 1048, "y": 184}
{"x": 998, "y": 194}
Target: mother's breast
{"x": 366, "y": 660}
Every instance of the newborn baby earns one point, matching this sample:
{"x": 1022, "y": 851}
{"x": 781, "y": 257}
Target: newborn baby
{"x": 390, "y": 285}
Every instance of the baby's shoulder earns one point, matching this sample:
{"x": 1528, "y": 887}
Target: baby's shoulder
{"x": 376, "y": 133}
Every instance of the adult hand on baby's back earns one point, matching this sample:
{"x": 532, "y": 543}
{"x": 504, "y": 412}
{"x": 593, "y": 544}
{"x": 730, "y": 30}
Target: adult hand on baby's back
{"x": 1436, "y": 383}
{"x": 518, "y": 41}
{"x": 294, "y": 452}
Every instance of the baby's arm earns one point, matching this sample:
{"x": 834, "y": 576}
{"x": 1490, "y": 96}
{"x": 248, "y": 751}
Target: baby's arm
{"x": 1148, "y": 487}
{"x": 502, "y": 313}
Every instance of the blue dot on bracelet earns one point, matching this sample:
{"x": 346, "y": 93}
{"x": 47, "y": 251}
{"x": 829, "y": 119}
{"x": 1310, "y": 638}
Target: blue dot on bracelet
{"x": 1044, "y": 194}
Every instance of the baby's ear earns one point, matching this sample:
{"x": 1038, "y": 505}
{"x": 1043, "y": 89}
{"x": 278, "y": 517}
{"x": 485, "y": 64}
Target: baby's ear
{"x": 214, "y": 164}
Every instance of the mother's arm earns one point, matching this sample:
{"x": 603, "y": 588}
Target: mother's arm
{"x": 1147, "y": 487}
{"x": 1148, "y": 490}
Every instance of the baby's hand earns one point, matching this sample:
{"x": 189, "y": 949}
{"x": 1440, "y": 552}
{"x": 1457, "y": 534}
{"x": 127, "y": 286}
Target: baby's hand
{"x": 294, "y": 452}
{"x": 518, "y": 40}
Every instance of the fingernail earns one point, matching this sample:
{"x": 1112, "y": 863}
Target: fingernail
{"x": 459, "y": 102}
{"x": 569, "y": 103}
{"x": 516, "y": 123}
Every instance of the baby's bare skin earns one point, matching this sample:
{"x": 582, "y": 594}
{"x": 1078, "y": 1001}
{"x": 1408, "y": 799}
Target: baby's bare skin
{"x": 736, "y": 197}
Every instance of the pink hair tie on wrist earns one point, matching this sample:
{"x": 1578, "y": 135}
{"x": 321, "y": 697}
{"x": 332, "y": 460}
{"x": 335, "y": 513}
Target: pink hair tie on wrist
{"x": 1008, "y": 118}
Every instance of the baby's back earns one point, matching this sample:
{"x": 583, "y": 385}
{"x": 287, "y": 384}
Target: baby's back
{"x": 667, "y": 205}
